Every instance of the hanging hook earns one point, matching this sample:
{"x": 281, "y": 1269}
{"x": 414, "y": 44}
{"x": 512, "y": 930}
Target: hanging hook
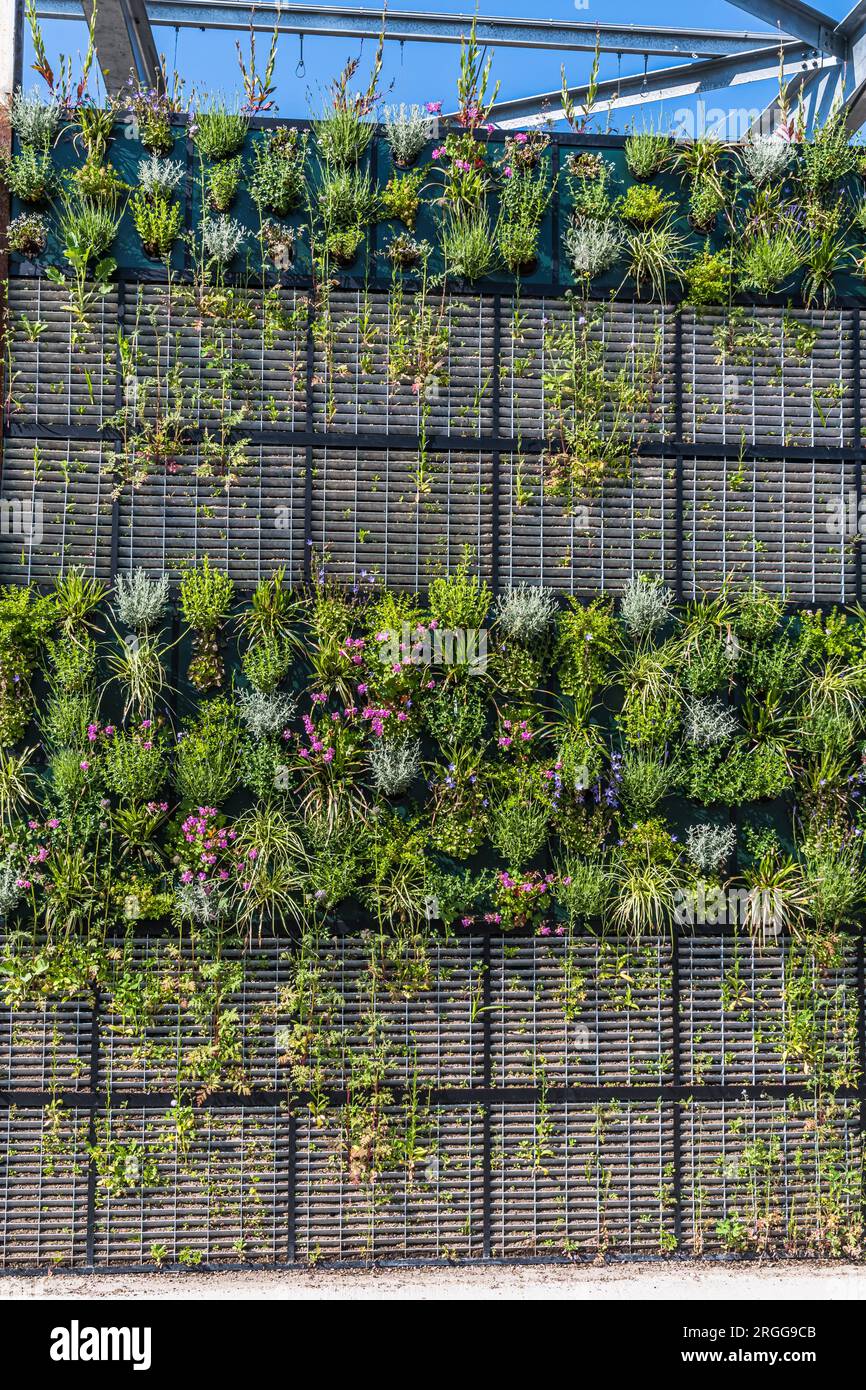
{"x": 618, "y": 75}
{"x": 300, "y": 70}
{"x": 402, "y": 42}
{"x": 645, "y": 66}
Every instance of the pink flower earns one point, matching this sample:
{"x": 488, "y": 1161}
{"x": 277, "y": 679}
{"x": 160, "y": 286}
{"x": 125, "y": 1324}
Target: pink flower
{"x": 84, "y": 765}
{"x": 433, "y": 108}
{"x": 521, "y": 137}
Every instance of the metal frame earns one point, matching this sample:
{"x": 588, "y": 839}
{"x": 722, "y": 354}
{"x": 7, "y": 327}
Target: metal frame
{"x": 825, "y": 59}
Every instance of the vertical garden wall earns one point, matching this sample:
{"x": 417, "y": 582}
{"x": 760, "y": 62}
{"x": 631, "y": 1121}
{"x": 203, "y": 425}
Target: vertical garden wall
{"x": 311, "y": 955}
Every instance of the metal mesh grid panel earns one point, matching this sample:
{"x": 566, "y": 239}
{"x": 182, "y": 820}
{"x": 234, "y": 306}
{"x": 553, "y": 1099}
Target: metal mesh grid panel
{"x": 592, "y": 1014}
{"x": 367, "y": 357}
{"x": 207, "y": 1186}
{"x": 432, "y": 1035}
{"x": 55, "y": 383}
{"x": 250, "y": 362}
{"x": 43, "y": 1186}
{"x": 352, "y": 1206}
{"x": 60, "y": 486}
{"x": 247, "y": 528}
{"x": 43, "y": 1049}
{"x": 175, "y": 1044}
{"x": 768, "y": 523}
{"x": 601, "y": 544}
{"x": 406, "y": 520}
{"x": 743, "y": 1019}
{"x": 574, "y": 1177}
{"x": 532, "y": 351}
{"x": 768, "y": 376}
{"x": 771, "y": 1175}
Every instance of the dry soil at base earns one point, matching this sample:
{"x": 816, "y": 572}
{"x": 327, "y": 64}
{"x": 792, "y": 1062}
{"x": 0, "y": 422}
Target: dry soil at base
{"x": 612, "y": 1282}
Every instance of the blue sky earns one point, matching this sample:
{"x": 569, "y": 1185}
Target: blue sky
{"x": 427, "y": 72}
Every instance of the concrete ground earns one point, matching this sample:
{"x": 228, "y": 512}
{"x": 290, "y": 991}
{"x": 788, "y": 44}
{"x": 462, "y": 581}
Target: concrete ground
{"x": 813, "y": 1281}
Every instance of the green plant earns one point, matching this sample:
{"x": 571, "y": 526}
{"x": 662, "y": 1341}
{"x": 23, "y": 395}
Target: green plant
{"x": 27, "y": 235}
{"x": 407, "y": 130}
{"x": 207, "y": 767}
{"x": 460, "y": 599}
{"x": 519, "y": 825}
{"x": 655, "y": 257}
{"x": 708, "y": 278}
{"x": 468, "y": 245}
{"x": 828, "y": 156}
{"x": 706, "y": 201}
{"x": 77, "y": 595}
{"x": 525, "y": 193}
{"x": 205, "y": 600}
{"x": 152, "y": 110}
{"x": 593, "y": 410}
{"x": 97, "y": 181}
{"x": 644, "y": 204}
{"x": 347, "y": 198}
{"x": 278, "y": 175}
{"x": 134, "y": 764}
{"x": 86, "y": 231}
{"x": 222, "y": 183}
{"x": 158, "y": 221}
{"x": 401, "y": 197}
{"x": 647, "y": 152}
{"x": 220, "y": 133}
{"x": 645, "y": 781}
{"x": 344, "y": 130}
{"x": 769, "y": 259}
{"x": 29, "y": 175}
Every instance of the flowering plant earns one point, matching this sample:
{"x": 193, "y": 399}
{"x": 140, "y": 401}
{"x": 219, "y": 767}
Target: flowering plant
{"x": 523, "y": 900}
{"x": 468, "y": 176}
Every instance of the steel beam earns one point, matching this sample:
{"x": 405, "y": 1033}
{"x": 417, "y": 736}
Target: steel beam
{"x": 812, "y": 26}
{"x": 329, "y": 20}
{"x": 124, "y": 43}
{"x": 683, "y": 80}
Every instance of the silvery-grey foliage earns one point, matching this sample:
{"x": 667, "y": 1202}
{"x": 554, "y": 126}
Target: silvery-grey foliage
{"x": 140, "y": 602}
{"x": 265, "y": 715}
{"x": 709, "y": 722}
{"x": 197, "y": 904}
{"x": 592, "y": 247}
{"x": 526, "y": 612}
{"x": 34, "y": 119}
{"x": 767, "y": 157}
{"x": 646, "y": 606}
{"x": 223, "y": 237}
{"x": 710, "y": 846}
{"x": 407, "y": 130}
{"x": 159, "y": 176}
{"x": 394, "y": 764}
{"x": 10, "y": 893}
